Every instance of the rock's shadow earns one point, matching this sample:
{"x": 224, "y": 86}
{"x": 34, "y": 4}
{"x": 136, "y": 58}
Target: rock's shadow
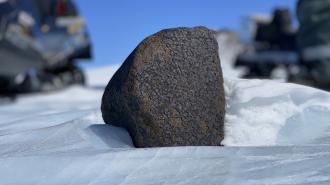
{"x": 104, "y": 135}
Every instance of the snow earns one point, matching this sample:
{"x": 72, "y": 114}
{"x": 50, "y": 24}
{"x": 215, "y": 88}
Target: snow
{"x": 101, "y": 76}
{"x": 276, "y": 133}
{"x": 264, "y": 112}
{"x": 229, "y": 48}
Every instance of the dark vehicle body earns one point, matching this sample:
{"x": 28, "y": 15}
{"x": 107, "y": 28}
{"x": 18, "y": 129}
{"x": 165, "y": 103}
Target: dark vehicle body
{"x": 40, "y": 41}
{"x": 273, "y": 46}
{"x": 302, "y": 54}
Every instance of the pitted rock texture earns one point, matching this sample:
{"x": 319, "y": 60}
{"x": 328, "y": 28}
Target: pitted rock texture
{"x": 169, "y": 91}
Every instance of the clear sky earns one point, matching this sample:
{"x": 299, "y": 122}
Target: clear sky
{"x": 117, "y": 26}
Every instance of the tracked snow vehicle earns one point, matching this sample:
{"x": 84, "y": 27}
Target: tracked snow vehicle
{"x": 272, "y": 47}
{"x": 40, "y": 42}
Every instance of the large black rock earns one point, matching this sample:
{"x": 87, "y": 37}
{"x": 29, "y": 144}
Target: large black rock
{"x": 169, "y": 91}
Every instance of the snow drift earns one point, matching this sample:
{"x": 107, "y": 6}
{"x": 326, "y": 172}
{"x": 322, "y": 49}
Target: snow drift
{"x": 60, "y": 138}
{"x": 263, "y": 112}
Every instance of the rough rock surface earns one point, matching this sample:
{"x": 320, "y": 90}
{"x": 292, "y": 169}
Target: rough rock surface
{"x": 169, "y": 91}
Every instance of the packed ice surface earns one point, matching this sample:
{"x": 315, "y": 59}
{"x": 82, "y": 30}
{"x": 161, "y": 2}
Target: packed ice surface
{"x": 276, "y": 133}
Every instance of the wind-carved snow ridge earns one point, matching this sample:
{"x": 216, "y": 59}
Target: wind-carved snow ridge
{"x": 262, "y": 112}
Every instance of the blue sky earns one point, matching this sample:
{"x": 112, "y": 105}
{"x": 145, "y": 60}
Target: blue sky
{"x": 117, "y": 26}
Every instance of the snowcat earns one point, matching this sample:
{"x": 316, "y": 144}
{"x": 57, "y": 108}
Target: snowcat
{"x": 272, "y": 48}
{"x": 40, "y": 42}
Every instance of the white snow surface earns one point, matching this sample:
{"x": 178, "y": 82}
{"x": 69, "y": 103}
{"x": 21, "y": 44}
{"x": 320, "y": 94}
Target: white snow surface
{"x": 276, "y": 133}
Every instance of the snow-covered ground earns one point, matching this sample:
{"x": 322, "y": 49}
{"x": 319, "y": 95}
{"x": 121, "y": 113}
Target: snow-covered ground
{"x": 276, "y": 133}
